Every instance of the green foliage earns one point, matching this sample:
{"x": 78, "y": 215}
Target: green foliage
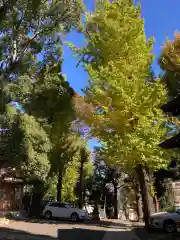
{"x": 33, "y": 27}
{"x": 62, "y": 152}
{"x": 88, "y": 170}
{"x": 74, "y": 171}
{"x": 26, "y": 146}
{"x": 169, "y": 62}
{"x": 52, "y": 188}
{"x": 49, "y": 100}
{"x": 70, "y": 179}
{"x": 126, "y": 117}
{"x": 9, "y": 148}
{"x": 38, "y": 145}
{"x": 95, "y": 183}
{"x": 30, "y": 31}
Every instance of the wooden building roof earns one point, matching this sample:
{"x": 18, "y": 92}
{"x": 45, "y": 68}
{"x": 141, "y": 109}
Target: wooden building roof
{"x": 172, "y": 106}
{"x": 173, "y": 142}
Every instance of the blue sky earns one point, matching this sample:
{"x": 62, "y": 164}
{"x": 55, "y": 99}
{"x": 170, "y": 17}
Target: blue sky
{"x": 161, "y": 21}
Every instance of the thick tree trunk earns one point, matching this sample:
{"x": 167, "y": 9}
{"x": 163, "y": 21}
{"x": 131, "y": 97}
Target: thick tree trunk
{"x": 144, "y": 193}
{"x": 150, "y": 195}
{"x": 81, "y": 186}
{"x": 34, "y": 210}
{"x": 115, "y": 201}
{"x": 59, "y": 186}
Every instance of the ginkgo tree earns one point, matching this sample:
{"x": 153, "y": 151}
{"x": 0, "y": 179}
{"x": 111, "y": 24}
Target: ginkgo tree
{"x": 124, "y": 106}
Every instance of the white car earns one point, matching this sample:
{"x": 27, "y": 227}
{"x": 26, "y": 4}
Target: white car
{"x": 64, "y": 210}
{"x": 169, "y": 221}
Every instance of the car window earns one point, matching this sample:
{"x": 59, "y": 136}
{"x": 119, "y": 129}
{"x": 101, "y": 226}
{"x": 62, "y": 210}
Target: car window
{"x": 57, "y": 204}
{"x": 54, "y": 204}
{"x": 62, "y": 205}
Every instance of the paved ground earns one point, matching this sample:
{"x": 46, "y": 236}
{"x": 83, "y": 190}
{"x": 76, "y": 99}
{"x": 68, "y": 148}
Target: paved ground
{"x": 105, "y": 230}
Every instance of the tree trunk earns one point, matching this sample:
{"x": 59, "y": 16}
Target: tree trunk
{"x": 96, "y": 212}
{"x": 59, "y": 186}
{"x": 81, "y": 186}
{"x": 115, "y": 201}
{"x": 144, "y": 193}
{"x": 138, "y": 204}
{"x": 34, "y": 209}
{"x": 150, "y": 195}
{"x": 156, "y": 204}
{"x": 105, "y": 207}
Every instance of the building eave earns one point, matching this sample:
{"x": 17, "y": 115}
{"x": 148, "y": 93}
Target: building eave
{"x": 172, "y": 106}
{"x": 171, "y": 143}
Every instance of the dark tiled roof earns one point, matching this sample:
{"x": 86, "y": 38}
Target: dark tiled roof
{"x": 172, "y": 107}
{"x": 173, "y": 142}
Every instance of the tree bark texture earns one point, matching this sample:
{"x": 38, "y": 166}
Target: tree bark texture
{"x": 59, "y": 186}
{"x": 115, "y": 201}
{"x": 141, "y": 173}
{"x": 138, "y": 203}
{"x": 81, "y": 186}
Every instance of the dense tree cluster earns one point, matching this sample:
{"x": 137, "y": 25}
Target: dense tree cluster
{"x": 121, "y": 106}
{"x": 40, "y": 142}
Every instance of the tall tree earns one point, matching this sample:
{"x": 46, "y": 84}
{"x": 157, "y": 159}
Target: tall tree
{"x": 32, "y": 30}
{"x": 114, "y": 175}
{"x": 60, "y": 157}
{"x": 49, "y": 100}
{"x": 84, "y": 157}
{"x": 169, "y": 62}
{"x": 126, "y": 113}
{"x": 31, "y": 58}
{"x": 70, "y": 178}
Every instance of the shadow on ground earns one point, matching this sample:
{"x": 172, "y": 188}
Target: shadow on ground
{"x": 78, "y": 233}
{"x": 12, "y": 234}
{"x": 143, "y": 234}
{"x": 68, "y": 234}
{"x": 89, "y": 234}
{"x": 134, "y": 234}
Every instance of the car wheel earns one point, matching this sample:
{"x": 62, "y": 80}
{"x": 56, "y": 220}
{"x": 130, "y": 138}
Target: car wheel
{"x": 169, "y": 226}
{"x": 74, "y": 217}
{"x": 48, "y": 215}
